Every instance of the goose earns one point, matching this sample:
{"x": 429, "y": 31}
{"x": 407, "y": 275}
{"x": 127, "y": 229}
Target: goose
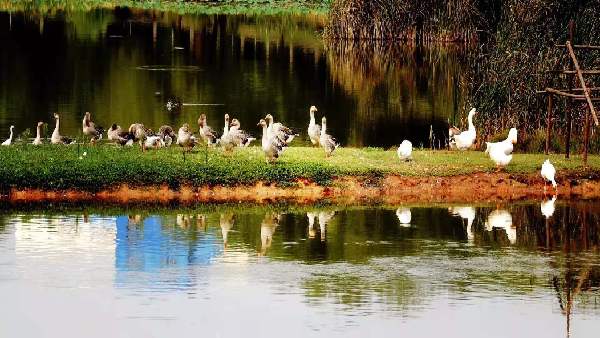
{"x": 311, "y": 224}
{"x": 167, "y": 134}
{"x": 206, "y": 133}
{"x": 278, "y": 129}
{"x": 267, "y": 229}
{"x": 405, "y": 151}
{"x": 467, "y": 213}
{"x": 314, "y": 130}
{"x": 463, "y": 140}
{"x": 226, "y": 223}
{"x": 503, "y": 220}
{"x": 91, "y": 129}
{"x": 233, "y": 136}
{"x": 404, "y": 216}
{"x": 328, "y": 143}
{"x": 547, "y": 207}
{"x": 56, "y": 138}
{"x": 506, "y": 146}
{"x": 139, "y": 132}
{"x": 185, "y": 138}
{"x": 9, "y": 140}
{"x": 119, "y": 136}
{"x": 152, "y": 141}
{"x": 548, "y": 171}
{"x": 38, "y": 136}
{"x": 324, "y": 218}
{"x": 272, "y": 146}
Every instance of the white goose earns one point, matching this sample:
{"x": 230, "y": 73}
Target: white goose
{"x": 236, "y": 137}
{"x": 328, "y": 143}
{"x": 503, "y": 220}
{"x": 9, "y": 140}
{"x": 272, "y": 146}
{"x": 206, "y": 132}
{"x": 405, "y": 151}
{"x": 279, "y": 130}
{"x": 501, "y": 152}
{"x": 548, "y": 172}
{"x": 119, "y": 136}
{"x": 89, "y": 128}
{"x": 547, "y": 207}
{"x": 314, "y": 130}
{"x": 185, "y": 138}
{"x": 404, "y": 216}
{"x": 463, "y": 140}
{"x": 38, "y": 136}
{"x": 56, "y": 138}
{"x": 467, "y": 213}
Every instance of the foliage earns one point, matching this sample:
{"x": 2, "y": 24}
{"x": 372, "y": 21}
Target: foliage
{"x": 104, "y": 166}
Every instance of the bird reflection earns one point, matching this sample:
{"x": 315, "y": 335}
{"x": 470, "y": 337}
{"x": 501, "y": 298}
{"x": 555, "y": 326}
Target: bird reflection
{"x": 404, "y": 216}
{"x": 267, "y": 228}
{"x": 501, "y": 219}
{"x": 311, "y": 224}
{"x": 547, "y": 207}
{"x": 134, "y": 219}
{"x": 467, "y": 213}
{"x": 183, "y": 221}
{"x": 201, "y": 222}
{"x": 324, "y": 218}
{"x": 226, "y": 222}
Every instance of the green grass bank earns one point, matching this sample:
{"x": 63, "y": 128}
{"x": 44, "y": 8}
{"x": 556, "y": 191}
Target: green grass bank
{"x": 104, "y": 167}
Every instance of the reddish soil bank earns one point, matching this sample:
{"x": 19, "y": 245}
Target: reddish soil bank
{"x": 479, "y": 187}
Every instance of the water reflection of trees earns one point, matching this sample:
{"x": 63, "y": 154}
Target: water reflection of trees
{"x": 395, "y": 85}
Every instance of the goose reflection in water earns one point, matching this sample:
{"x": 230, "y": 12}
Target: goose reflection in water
{"x": 311, "y": 224}
{"x": 267, "y": 228}
{"x": 404, "y": 216}
{"x": 226, "y": 223}
{"x": 547, "y": 207}
{"x": 324, "y": 218}
{"x": 467, "y": 213}
{"x": 501, "y": 219}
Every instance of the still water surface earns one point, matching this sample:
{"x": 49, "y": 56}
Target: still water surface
{"x": 122, "y": 66}
{"x": 416, "y": 271}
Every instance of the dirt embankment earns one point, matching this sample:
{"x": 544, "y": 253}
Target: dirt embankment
{"x": 480, "y": 187}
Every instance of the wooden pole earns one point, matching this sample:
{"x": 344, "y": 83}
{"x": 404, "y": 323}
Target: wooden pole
{"x": 586, "y": 138}
{"x": 569, "y": 101}
{"x": 549, "y": 123}
{"x": 586, "y": 92}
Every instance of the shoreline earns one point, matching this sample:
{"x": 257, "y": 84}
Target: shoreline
{"x": 390, "y": 189}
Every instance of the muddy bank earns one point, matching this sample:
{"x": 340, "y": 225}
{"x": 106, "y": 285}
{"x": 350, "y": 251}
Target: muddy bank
{"x": 479, "y": 187}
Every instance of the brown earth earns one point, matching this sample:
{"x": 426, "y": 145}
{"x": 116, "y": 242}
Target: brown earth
{"x": 479, "y": 187}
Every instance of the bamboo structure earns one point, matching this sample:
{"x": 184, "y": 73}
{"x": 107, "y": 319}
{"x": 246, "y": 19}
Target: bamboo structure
{"x": 581, "y": 92}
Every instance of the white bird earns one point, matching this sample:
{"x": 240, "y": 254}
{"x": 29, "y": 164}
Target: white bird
{"x": 236, "y": 137}
{"x": 56, "y": 138}
{"x": 314, "y": 130}
{"x": 9, "y": 140}
{"x": 279, "y": 130}
{"x": 185, "y": 138}
{"x": 38, "y": 136}
{"x": 89, "y": 128}
{"x": 206, "y": 132}
{"x": 548, "y": 171}
{"x": 153, "y": 141}
{"x": 463, "y": 140}
{"x": 501, "y": 152}
{"x": 503, "y": 220}
{"x": 328, "y": 143}
{"x": 119, "y": 136}
{"x": 272, "y": 146}
{"x": 405, "y": 151}
{"x": 404, "y": 216}
{"x": 547, "y": 207}
{"x": 467, "y": 213}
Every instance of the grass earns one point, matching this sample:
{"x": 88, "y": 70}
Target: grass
{"x": 267, "y": 7}
{"x": 61, "y": 167}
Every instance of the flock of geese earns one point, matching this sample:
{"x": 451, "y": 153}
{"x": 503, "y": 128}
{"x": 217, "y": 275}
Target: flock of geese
{"x": 276, "y": 137}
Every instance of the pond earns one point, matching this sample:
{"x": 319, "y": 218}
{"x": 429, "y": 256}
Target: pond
{"x": 123, "y": 65}
{"x": 507, "y": 270}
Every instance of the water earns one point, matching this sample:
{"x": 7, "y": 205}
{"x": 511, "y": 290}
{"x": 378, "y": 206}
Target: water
{"x": 122, "y": 66}
{"x": 230, "y": 271}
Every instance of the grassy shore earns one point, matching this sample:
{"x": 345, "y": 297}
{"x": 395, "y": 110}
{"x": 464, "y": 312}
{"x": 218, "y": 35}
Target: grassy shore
{"x": 267, "y": 7}
{"x": 64, "y": 167}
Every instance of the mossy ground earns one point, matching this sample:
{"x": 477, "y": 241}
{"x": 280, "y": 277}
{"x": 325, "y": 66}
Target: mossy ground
{"x": 64, "y": 167}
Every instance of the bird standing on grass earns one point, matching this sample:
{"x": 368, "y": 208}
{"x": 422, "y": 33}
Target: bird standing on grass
{"x": 91, "y": 129}
{"x": 465, "y": 139}
{"x": 548, "y": 171}
{"x": 119, "y": 136}
{"x": 38, "y": 136}
{"x": 272, "y": 146}
{"x": 328, "y": 143}
{"x": 206, "y": 132}
{"x": 185, "y": 138}
{"x": 314, "y": 130}
{"x": 167, "y": 135}
{"x": 405, "y": 151}
{"x": 501, "y": 152}
{"x": 56, "y": 138}
{"x": 279, "y": 130}
{"x": 9, "y": 140}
